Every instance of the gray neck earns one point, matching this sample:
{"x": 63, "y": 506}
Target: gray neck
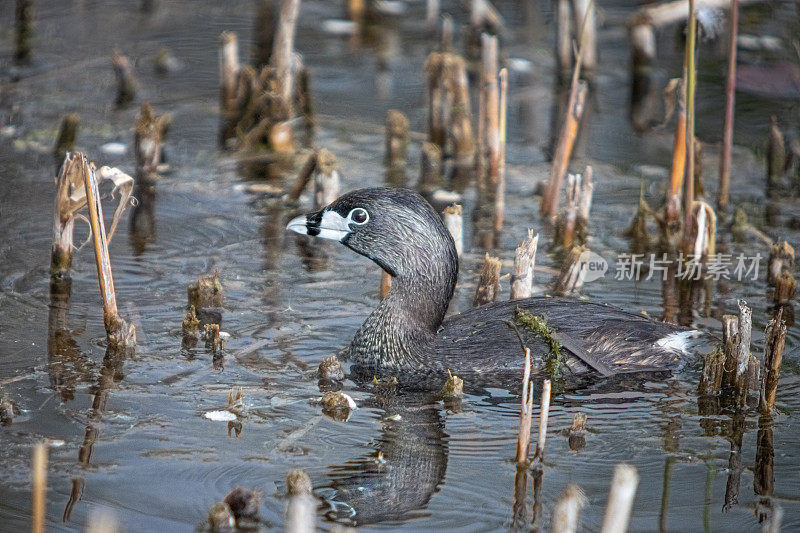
{"x": 400, "y": 333}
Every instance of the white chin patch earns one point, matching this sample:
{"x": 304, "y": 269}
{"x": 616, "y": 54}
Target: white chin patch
{"x": 333, "y": 226}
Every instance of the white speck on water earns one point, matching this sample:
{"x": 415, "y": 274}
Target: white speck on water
{"x": 220, "y": 416}
{"x": 114, "y": 149}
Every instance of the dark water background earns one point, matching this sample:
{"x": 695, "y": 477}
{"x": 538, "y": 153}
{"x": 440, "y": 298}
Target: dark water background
{"x": 147, "y": 453}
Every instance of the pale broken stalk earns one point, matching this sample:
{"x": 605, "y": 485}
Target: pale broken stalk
{"x": 119, "y": 333}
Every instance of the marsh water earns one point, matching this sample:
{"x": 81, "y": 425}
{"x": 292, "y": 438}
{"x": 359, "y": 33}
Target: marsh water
{"x": 129, "y": 434}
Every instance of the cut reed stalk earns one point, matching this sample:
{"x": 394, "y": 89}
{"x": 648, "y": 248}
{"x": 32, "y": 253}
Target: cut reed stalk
{"x": 524, "y": 263}
{"x": 65, "y": 142}
{"x": 431, "y": 171}
{"x": 563, "y": 36}
{"x": 741, "y": 381}
{"x": 691, "y": 82}
{"x": 620, "y": 499}
{"x": 584, "y": 17}
{"x": 573, "y": 221}
{"x": 303, "y": 177}
{"x": 566, "y": 141}
{"x": 453, "y": 217}
{"x": 23, "y": 31}
{"x": 148, "y": 133}
{"x": 573, "y": 270}
{"x": 39, "y": 489}
{"x": 776, "y": 155}
{"x": 299, "y": 515}
{"x": 126, "y": 80}
{"x": 282, "y": 57}
{"x": 119, "y": 333}
{"x": 229, "y": 69}
{"x": 396, "y": 138}
{"x": 492, "y": 117}
{"x": 326, "y": 178}
{"x": 785, "y": 288}
{"x": 500, "y": 186}
{"x": 63, "y": 220}
{"x": 730, "y": 106}
{"x": 672, "y": 208}
{"x": 489, "y": 283}
{"x": 544, "y": 414}
{"x": 730, "y": 344}
{"x": 566, "y": 516}
{"x": 264, "y": 30}
{"x": 781, "y": 260}
{"x": 431, "y": 13}
{"x": 525, "y": 413}
{"x": 773, "y": 356}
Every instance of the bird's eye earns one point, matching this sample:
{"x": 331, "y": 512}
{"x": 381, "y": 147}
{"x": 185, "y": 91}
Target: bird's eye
{"x": 359, "y": 216}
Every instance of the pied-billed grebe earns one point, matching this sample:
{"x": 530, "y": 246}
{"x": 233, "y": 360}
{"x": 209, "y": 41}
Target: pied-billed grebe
{"x": 407, "y": 333}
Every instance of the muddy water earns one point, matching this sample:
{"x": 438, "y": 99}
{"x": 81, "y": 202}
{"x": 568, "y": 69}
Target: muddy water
{"x": 130, "y": 432}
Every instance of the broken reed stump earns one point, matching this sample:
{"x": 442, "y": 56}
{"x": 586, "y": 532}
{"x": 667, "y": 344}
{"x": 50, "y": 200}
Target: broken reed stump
{"x": 524, "y": 263}
{"x": 326, "y": 178}
{"x": 573, "y": 270}
{"x": 431, "y": 171}
{"x": 206, "y": 293}
{"x": 566, "y": 515}
{"x": 263, "y": 31}
{"x": 303, "y": 177}
{"x": 126, "y": 80}
{"x": 781, "y": 261}
{"x": 776, "y": 155}
{"x": 489, "y": 282}
{"x": 490, "y": 113}
{"x": 229, "y": 82}
{"x": 564, "y": 33}
{"x": 500, "y": 182}
{"x": 525, "y": 414}
{"x": 282, "y": 58}
{"x": 23, "y": 31}
{"x": 672, "y": 207}
{"x": 730, "y": 104}
{"x": 572, "y": 222}
{"x": 449, "y": 114}
{"x": 484, "y": 18}
{"x": 774, "y": 342}
{"x": 119, "y": 333}
{"x": 453, "y": 218}
{"x": 566, "y": 141}
{"x": 69, "y": 177}
{"x": 585, "y": 23}
{"x": 396, "y": 138}
{"x": 39, "y": 487}
{"x": 213, "y": 340}
{"x": 785, "y": 288}
{"x": 544, "y": 415}
{"x": 701, "y": 231}
{"x": 65, "y": 142}
{"x": 148, "y": 134}
{"x": 733, "y": 369}
{"x": 577, "y": 432}
{"x": 300, "y": 513}
{"x": 620, "y": 499}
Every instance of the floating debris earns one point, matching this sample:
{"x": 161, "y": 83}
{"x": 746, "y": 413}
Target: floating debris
{"x": 220, "y": 517}
{"x": 489, "y": 282}
{"x": 577, "y": 433}
{"x": 453, "y": 387}
{"x": 330, "y": 368}
{"x": 337, "y": 405}
{"x": 245, "y": 505}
